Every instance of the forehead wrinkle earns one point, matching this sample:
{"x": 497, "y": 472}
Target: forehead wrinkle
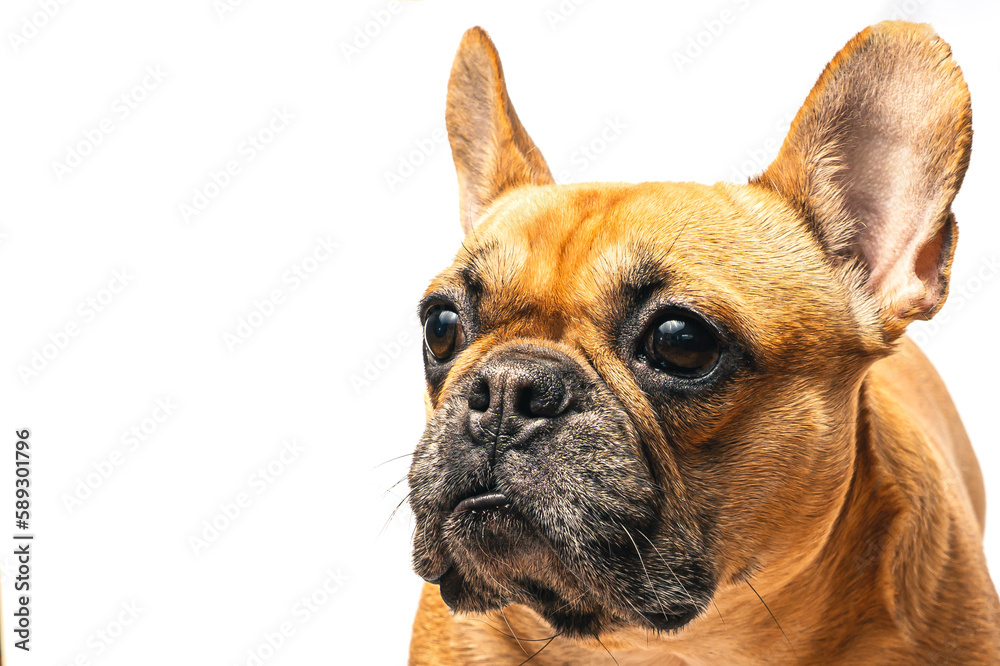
{"x": 533, "y": 272}
{"x": 624, "y": 273}
{"x": 496, "y": 266}
{"x": 563, "y": 264}
{"x": 505, "y": 294}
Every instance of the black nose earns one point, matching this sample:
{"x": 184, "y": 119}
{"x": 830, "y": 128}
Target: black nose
{"x": 507, "y": 396}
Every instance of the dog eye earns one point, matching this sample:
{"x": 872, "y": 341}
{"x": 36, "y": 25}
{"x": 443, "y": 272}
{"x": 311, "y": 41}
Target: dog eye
{"x": 681, "y": 346}
{"x": 443, "y": 332}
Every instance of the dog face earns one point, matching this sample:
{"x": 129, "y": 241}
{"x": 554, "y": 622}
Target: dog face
{"x": 641, "y": 394}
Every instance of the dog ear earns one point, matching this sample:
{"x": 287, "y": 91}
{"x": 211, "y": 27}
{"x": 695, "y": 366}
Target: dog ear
{"x": 492, "y": 151}
{"x": 873, "y": 160}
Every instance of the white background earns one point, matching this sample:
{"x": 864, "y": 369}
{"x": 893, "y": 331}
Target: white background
{"x": 358, "y": 116}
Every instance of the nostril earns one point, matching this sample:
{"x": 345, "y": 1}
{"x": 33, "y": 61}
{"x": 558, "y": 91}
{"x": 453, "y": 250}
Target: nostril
{"x": 505, "y": 394}
{"x": 479, "y": 395}
{"x": 541, "y": 397}
{"x": 524, "y": 398}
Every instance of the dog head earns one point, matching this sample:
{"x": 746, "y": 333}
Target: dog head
{"x": 641, "y": 394}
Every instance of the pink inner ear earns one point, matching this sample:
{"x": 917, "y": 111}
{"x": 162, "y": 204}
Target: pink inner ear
{"x": 876, "y": 156}
{"x": 928, "y": 263}
{"x": 890, "y": 192}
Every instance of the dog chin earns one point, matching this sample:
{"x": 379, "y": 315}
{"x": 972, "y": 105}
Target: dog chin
{"x": 498, "y": 559}
{"x": 573, "y": 617}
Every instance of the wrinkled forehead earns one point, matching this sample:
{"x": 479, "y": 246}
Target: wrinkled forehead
{"x": 558, "y": 254}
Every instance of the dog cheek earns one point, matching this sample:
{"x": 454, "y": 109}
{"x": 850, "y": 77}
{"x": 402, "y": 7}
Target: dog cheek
{"x": 430, "y": 559}
{"x": 438, "y": 450}
{"x": 584, "y": 482}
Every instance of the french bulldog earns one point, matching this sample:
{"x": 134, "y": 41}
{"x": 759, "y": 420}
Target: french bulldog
{"x": 673, "y": 423}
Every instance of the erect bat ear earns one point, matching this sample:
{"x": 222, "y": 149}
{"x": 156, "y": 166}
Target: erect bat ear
{"x": 492, "y": 151}
{"x": 873, "y": 160}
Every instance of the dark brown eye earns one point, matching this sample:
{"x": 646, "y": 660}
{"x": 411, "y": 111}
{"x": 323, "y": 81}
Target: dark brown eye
{"x": 443, "y": 332}
{"x": 681, "y": 346}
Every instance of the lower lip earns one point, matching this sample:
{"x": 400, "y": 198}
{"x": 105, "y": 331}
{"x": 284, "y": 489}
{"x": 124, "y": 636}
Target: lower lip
{"x": 666, "y": 622}
{"x": 492, "y": 501}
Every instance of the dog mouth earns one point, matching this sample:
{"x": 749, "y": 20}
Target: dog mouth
{"x": 492, "y": 547}
{"x": 489, "y": 500}
{"x": 487, "y": 520}
{"x": 498, "y": 555}
{"x": 484, "y": 529}
{"x": 671, "y": 621}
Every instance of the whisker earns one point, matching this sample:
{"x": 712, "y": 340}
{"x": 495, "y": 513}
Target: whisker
{"x": 669, "y": 568}
{"x": 679, "y": 582}
{"x": 500, "y": 585}
{"x": 389, "y": 490}
{"x": 774, "y": 618}
{"x": 645, "y": 571}
{"x": 540, "y": 649}
{"x": 392, "y": 460}
{"x": 678, "y": 235}
{"x": 570, "y": 602}
{"x": 625, "y": 599}
{"x": 501, "y": 631}
{"x": 393, "y": 514}
{"x": 607, "y": 650}
{"x": 590, "y": 590}
{"x": 719, "y": 612}
{"x": 504, "y": 615}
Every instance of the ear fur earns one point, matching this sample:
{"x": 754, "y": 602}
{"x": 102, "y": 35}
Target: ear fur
{"x": 491, "y": 149}
{"x": 873, "y": 161}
